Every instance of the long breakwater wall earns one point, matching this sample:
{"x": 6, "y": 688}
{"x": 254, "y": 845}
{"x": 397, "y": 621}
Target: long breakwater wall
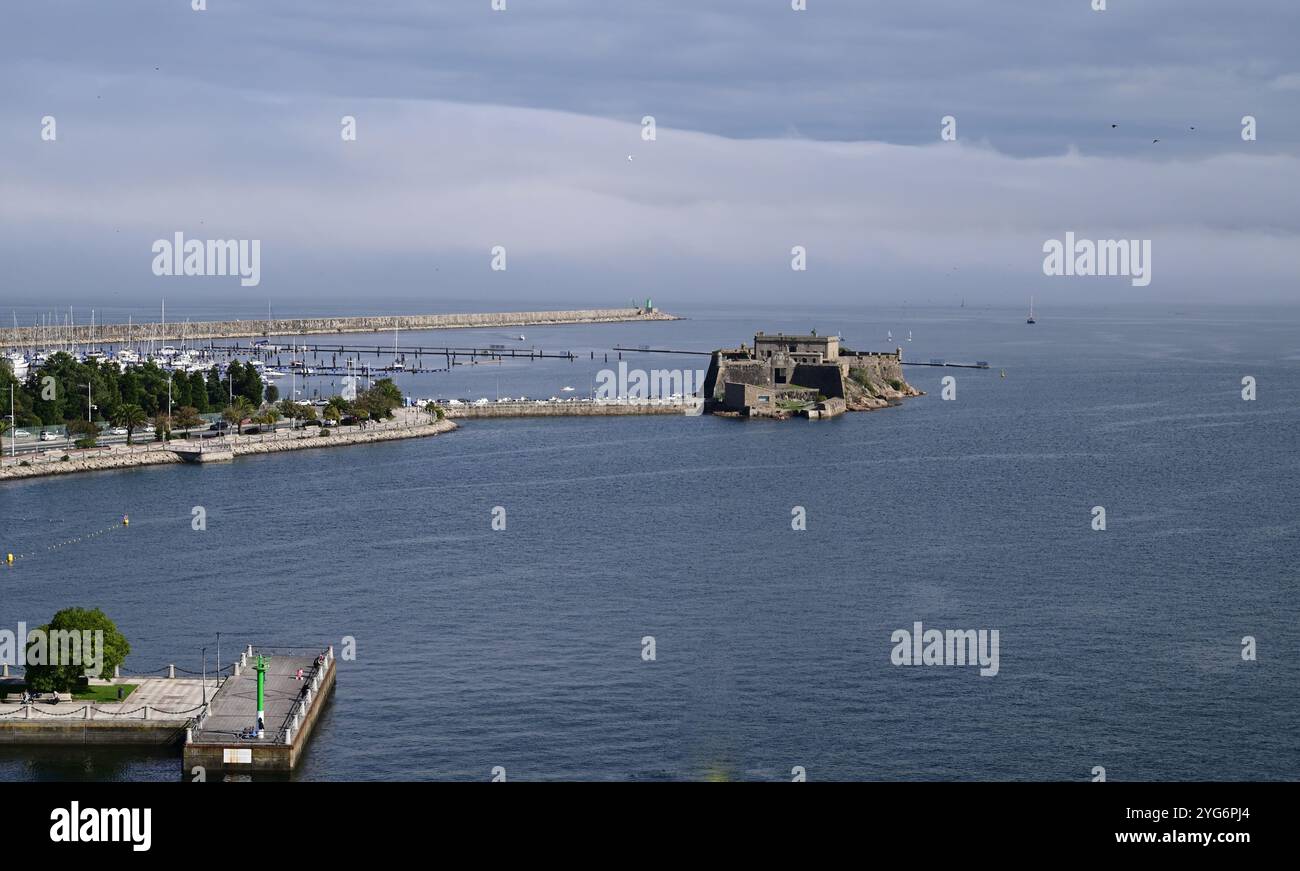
{"x": 567, "y": 408}
{"x": 121, "y": 334}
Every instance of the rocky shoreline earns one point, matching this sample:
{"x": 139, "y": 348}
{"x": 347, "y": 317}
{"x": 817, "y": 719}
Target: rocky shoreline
{"x": 410, "y": 424}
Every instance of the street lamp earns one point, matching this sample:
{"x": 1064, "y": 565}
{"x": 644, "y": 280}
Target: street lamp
{"x": 88, "y": 402}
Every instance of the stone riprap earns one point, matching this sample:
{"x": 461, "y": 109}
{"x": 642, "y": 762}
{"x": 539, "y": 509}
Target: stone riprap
{"x": 407, "y": 423}
{"x": 571, "y": 408}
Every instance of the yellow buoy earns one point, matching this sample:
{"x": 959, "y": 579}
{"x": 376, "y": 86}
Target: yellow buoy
{"x": 126, "y": 521}
{"x": 11, "y": 559}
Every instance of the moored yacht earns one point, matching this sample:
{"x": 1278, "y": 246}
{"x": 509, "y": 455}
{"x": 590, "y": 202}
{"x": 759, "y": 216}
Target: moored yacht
{"x": 18, "y": 363}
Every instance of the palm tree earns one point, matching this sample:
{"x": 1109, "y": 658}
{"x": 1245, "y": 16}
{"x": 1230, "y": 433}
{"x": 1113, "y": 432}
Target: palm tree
{"x": 4, "y": 428}
{"x": 237, "y": 412}
{"x": 130, "y": 416}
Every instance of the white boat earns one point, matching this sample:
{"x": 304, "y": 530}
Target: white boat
{"x": 521, "y": 337}
{"x": 1030, "y": 319}
{"x": 18, "y": 363}
{"x": 566, "y": 389}
{"x": 166, "y": 351}
{"x": 127, "y": 357}
{"x": 909, "y": 335}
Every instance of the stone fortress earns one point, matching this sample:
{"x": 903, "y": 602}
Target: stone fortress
{"x": 812, "y": 376}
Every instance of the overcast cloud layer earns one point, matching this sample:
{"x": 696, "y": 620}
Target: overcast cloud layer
{"x": 776, "y": 128}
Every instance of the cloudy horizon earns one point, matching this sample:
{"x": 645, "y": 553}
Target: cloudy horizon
{"x": 774, "y": 129}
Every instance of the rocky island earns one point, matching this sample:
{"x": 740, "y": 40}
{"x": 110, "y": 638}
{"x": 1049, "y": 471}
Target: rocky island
{"x": 811, "y": 376}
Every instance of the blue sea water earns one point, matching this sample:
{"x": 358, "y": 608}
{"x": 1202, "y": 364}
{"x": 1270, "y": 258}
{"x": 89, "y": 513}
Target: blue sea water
{"x": 522, "y": 648}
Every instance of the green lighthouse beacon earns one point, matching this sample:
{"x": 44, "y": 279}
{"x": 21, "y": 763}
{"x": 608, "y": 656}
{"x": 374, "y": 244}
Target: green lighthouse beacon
{"x": 261, "y": 695}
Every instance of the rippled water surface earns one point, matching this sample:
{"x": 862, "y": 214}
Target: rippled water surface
{"x": 522, "y": 648}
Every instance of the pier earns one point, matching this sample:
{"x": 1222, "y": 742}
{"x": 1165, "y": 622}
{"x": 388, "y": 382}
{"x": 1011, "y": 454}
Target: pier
{"x": 65, "y": 335}
{"x": 978, "y": 364}
{"x": 296, "y": 683}
{"x": 156, "y": 713}
{"x": 214, "y": 720}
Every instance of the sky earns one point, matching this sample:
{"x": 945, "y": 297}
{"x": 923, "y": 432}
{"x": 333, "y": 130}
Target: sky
{"x": 522, "y": 128}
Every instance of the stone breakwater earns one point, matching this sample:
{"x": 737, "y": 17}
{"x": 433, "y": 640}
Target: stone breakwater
{"x": 406, "y": 427}
{"x": 118, "y": 334}
{"x": 568, "y": 408}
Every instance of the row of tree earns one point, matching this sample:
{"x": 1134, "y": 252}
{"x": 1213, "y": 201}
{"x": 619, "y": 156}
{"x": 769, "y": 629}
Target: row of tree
{"x": 65, "y": 389}
{"x": 374, "y": 404}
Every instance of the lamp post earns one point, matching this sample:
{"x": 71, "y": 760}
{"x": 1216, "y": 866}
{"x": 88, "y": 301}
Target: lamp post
{"x": 204, "y": 682}
{"x": 88, "y": 401}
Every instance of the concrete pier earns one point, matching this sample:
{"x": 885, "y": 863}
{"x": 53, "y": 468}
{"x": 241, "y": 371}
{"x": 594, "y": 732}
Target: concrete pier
{"x": 155, "y": 714}
{"x": 218, "y": 741}
{"x": 121, "y": 334}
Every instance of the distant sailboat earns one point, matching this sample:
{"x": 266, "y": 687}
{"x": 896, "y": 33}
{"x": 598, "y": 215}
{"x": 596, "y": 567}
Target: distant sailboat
{"x": 889, "y": 336}
{"x": 909, "y": 335}
{"x": 1030, "y": 319}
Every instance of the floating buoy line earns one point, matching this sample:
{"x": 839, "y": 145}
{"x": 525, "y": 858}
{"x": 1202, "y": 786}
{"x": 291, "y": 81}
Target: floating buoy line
{"x": 11, "y": 558}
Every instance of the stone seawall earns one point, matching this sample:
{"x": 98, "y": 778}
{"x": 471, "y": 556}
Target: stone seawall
{"x": 74, "y": 731}
{"x": 118, "y": 334}
{"x": 564, "y": 409}
{"x": 410, "y": 424}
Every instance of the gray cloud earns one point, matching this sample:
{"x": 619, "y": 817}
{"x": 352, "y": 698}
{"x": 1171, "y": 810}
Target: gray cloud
{"x": 777, "y": 128}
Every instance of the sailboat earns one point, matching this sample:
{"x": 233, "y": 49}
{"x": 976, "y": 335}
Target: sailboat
{"x": 1030, "y": 319}
{"x": 909, "y": 335}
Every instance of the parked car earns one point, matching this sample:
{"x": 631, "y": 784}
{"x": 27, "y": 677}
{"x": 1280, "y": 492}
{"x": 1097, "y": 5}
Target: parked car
{"x": 22, "y": 434}
{"x": 117, "y": 430}
{"x": 47, "y": 436}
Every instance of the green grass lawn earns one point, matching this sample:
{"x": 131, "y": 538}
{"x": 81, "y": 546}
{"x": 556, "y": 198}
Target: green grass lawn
{"x": 97, "y": 693}
{"x": 93, "y": 693}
